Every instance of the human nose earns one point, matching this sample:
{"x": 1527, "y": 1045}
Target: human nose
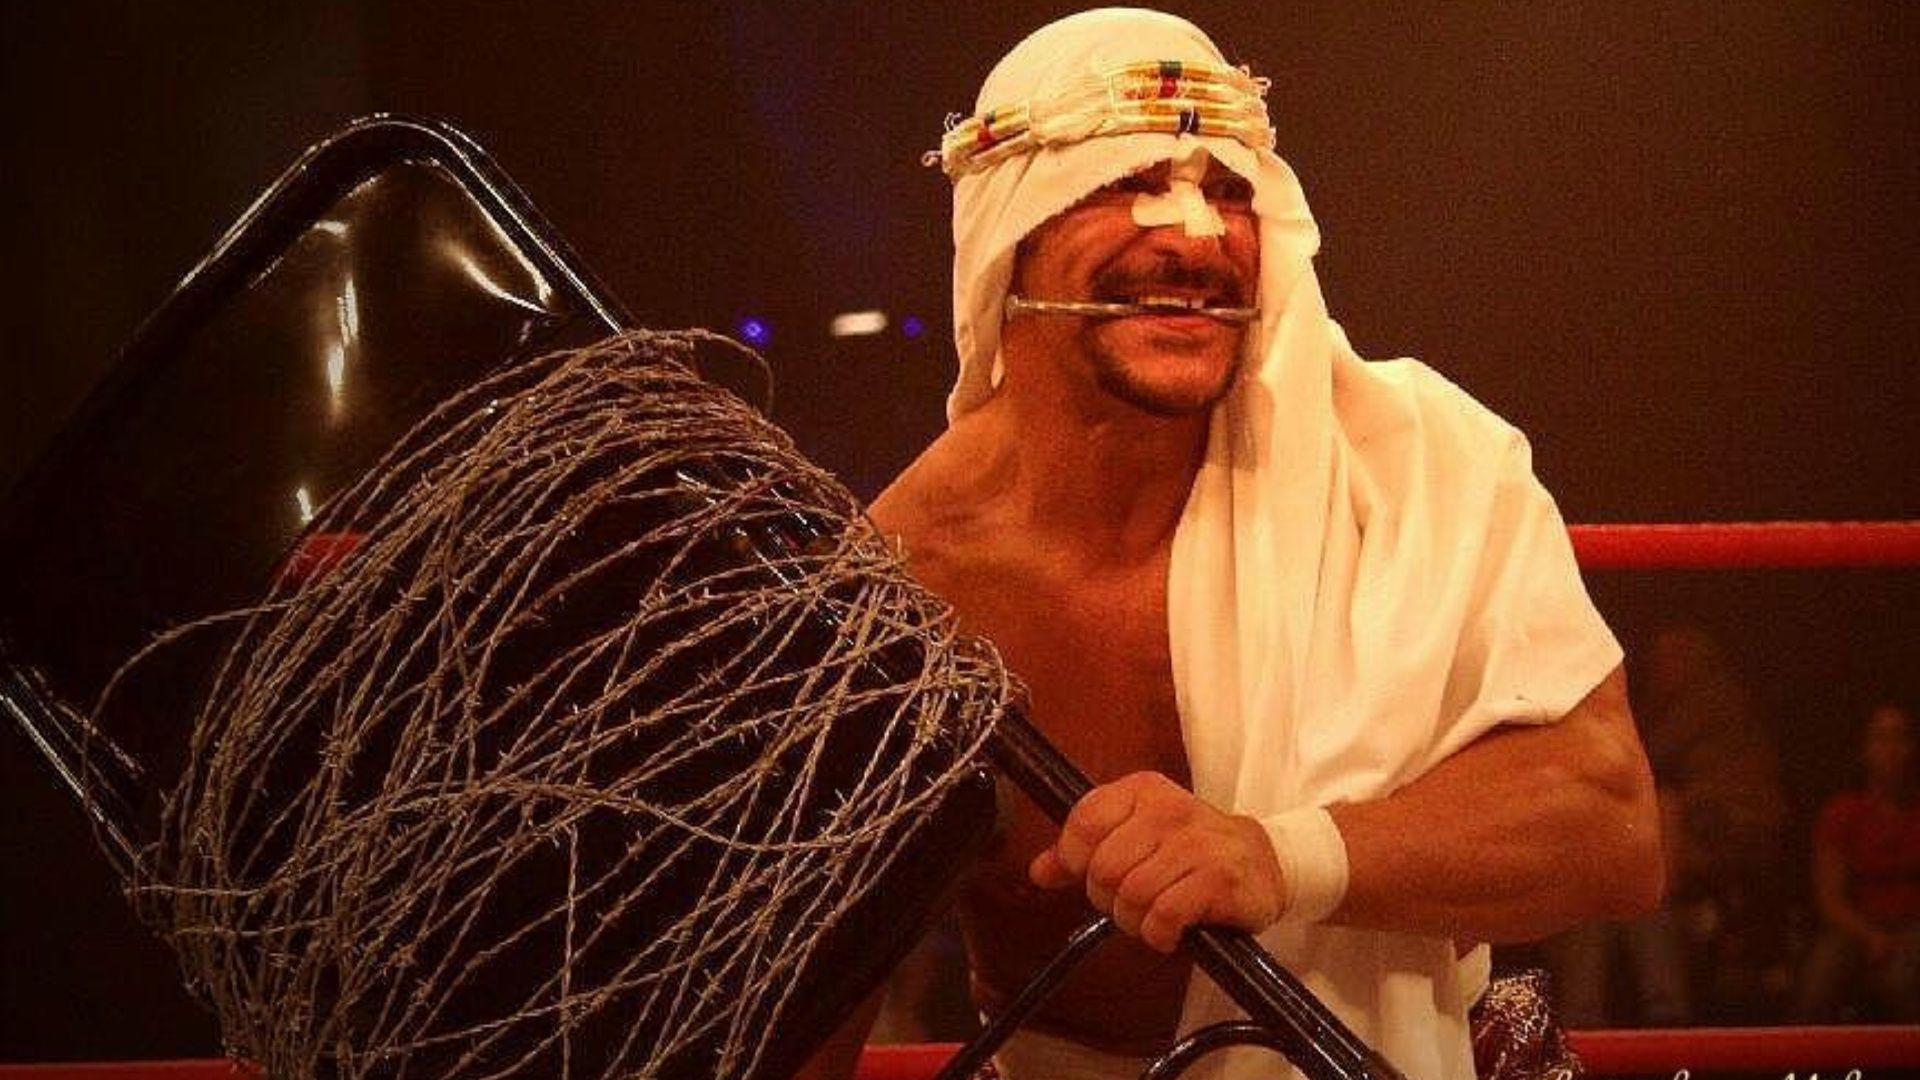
{"x": 1180, "y": 198}
{"x": 1179, "y": 202}
{"x": 1173, "y": 242}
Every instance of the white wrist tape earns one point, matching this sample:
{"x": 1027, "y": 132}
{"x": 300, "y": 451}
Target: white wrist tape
{"x": 1313, "y": 859}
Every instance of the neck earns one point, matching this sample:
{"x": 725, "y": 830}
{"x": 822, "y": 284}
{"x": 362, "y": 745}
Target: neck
{"x": 1093, "y": 476}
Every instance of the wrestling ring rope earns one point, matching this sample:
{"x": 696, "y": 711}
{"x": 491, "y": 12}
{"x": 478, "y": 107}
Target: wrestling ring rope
{"x": 1747, "y": 545}
{"x": 1661, "y": 1052}
{"x": 1654, "y": 1052}
{"x": 569, "y": 662}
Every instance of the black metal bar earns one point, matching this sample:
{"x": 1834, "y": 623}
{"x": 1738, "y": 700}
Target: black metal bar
{"x": 1213, "y": 1037}
{"x": 95, "y": 775}
{"x": 1305, "y": 1030}
{"x": 1038, "y": 989}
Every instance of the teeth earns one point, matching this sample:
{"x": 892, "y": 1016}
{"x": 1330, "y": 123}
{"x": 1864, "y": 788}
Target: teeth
{"x": 1192, "y": 303}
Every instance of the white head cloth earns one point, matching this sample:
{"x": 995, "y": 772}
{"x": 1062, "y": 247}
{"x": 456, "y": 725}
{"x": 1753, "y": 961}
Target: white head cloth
{"x": 1366, "y": 576}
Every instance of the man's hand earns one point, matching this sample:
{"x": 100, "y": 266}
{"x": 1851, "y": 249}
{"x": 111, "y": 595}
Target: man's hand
{"x": 1159, "y": 860}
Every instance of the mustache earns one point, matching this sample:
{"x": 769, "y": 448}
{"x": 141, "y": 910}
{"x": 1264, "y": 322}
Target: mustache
{"x": 1217, "y": 280}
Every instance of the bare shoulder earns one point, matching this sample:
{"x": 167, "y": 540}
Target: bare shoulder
{"x": 933, "y": 511}
{"x": 896, "y": 508}
{"x": 900, "y": 511}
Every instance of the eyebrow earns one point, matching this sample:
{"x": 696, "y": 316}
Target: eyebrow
{"x": 1219, "y": 180}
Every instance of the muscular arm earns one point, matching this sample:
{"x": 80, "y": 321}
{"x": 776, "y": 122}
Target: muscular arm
{"x": 1522, "y": 833}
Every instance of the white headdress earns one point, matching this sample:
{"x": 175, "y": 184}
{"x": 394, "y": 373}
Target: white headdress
{"x": 1075, "y": 107}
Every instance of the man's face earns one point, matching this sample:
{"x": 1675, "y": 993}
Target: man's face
{"x": 1166, "y": 364}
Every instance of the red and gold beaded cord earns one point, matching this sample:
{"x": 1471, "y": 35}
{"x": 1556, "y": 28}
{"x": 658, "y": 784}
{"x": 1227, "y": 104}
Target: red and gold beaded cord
{"x": 1168, "y": 96}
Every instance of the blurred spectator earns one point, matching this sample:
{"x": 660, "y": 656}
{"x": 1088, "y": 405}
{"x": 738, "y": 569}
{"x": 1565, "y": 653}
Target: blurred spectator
{"x": 1713, "y": 952}
{"x": 1866, "y": 878}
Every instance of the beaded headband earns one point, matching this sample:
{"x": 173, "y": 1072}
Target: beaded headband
{"x": 1172, "y": 96}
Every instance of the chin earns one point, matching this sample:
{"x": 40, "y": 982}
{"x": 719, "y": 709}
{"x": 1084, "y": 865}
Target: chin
{"x": 1174, "y": 388}
{"x": 1169, "y": 374}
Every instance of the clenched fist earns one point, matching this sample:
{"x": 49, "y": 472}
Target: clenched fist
{"x": 1158, "y": 859}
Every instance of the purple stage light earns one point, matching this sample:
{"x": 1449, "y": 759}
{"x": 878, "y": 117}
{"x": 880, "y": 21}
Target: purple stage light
{"x": 754, "y": 330}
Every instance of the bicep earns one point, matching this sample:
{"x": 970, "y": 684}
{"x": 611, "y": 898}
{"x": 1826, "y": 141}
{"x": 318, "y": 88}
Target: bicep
{"x": 1599, "y": 741}
{"x": 1593, "y": 745}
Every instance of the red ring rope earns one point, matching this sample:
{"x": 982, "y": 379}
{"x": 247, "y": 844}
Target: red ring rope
{"x": 1875, "y": 1051}
{"x": 1662, "y": 1052}
{"x": 1745, "y": 545}
{"x": 1779, "y": 1050}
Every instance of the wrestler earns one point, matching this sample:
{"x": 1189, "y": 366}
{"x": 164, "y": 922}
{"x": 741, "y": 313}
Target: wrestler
{"x": 1309, "y": 620}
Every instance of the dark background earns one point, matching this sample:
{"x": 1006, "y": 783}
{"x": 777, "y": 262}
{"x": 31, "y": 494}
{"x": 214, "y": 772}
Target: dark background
{"x": 1676, "y": 243}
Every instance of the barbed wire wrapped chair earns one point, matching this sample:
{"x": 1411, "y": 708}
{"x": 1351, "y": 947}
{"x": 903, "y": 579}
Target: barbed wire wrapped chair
{"x": 466, "y": 683}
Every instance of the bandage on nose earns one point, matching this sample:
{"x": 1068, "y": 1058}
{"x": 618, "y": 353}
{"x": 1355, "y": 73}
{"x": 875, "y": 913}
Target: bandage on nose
{"x": 1183, "y": 202}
